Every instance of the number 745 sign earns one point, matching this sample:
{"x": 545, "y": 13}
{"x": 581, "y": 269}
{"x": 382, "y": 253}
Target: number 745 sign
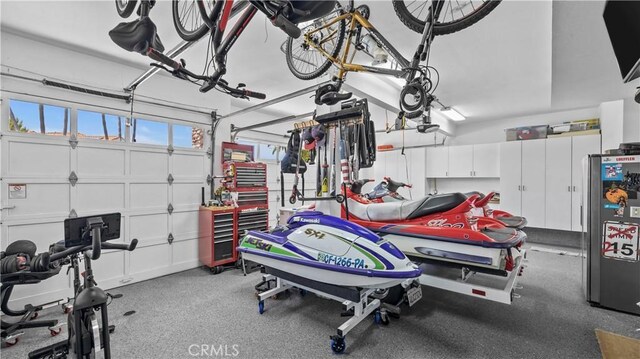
{"x": 620, "y": 241}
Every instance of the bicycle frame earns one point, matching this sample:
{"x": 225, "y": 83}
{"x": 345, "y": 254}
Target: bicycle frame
{"x": 222, "y": 47}
{"x": 342, "y": 60}
{"x": 355, "y": 19}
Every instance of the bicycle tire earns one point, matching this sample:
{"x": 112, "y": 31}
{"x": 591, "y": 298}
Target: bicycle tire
{"x": 184, "y": 33}
{"x": 322, "y": 68}
{"x": 417, "y": 25}
{"x": 206, "y": 15}
{"x": 125, "y": 7}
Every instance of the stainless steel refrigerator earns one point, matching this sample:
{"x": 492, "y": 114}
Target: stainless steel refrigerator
{"x": 611, "y": 256}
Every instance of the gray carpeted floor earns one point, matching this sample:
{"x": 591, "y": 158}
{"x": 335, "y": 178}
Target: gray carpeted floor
{"x": 550, "y": 320}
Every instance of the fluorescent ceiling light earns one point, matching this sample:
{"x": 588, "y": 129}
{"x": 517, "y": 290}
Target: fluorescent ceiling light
{"x": 452, "y": 114}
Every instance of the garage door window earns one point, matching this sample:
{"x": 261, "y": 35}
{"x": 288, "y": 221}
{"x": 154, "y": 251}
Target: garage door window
{"x": 100, "y": 126}
{"x": 37, "y": 118}
{"x": 187, "y": 136}
{"x": 150, "y": 132}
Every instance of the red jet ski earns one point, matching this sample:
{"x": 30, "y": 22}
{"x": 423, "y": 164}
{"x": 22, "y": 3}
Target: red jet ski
{"x": 439, "y": 229}
{"x": 482, "y": 205}
{"x": 387, "y": 191}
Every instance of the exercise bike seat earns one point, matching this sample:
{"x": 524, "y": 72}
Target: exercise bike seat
{"x": 137, "y": 36}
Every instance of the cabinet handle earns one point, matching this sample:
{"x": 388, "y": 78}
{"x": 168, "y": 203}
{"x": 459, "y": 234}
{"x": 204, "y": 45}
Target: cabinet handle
{"x": 574, "y": 188}
{"x": 569, "y": 188}
{"x": 519, "y": 188}
{"x": 470, "y": 173}
{"x": 524, "y": 188}
{"x": 446, "y": 173}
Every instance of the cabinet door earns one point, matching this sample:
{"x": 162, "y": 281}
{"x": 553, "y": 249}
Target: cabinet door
{"x": 437, "y": 162}
{"x": 533, "y": 187}
{"x": 511, "y": 177}
{"x": 581, "y": 147}
{"x": 558, "y": 183}
{"x": 486, "y": 160}
{"x": 461, "y": 161}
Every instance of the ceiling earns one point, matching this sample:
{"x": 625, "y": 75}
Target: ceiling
{"x": 526, "y": 57}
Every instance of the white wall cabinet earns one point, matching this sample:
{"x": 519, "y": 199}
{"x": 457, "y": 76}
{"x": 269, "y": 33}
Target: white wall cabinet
{"x": 522, "y": 176}
{"x": 581, "y": 147}
{"x": 463, "y": 161}
{"x": 486, "y": 161}
{"x": 542, "y": 179}
{"x": 511, "y": 177}
{"x": 437, "y": 162}
{"x": 558, "y": 183}
{"x": 533, "y": 186}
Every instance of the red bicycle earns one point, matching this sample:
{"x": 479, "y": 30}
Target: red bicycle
{"x": 212, "y": 17}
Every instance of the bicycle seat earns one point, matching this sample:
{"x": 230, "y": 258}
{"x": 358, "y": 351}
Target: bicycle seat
{"x": 137, "y": 36}
{"x": 305, "y": 10}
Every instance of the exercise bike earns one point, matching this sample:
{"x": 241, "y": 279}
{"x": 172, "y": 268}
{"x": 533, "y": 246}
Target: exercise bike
{"x": 88, "y": 321}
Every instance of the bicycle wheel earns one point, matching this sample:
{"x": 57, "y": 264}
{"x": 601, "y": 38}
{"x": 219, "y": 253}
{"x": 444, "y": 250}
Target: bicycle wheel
{"x": 307, "y": 62}
{"x": 187, "y": 19}
{"x": 125, "y": 7}
{"x": 455, "y": 15}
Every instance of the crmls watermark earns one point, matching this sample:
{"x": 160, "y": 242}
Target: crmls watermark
{"x": 212, "y": 350}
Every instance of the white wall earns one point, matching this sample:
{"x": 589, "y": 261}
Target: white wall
{"x": 493, "y": 131}
{"x": 612, "y": 123}
{"x": 631, "y": 125}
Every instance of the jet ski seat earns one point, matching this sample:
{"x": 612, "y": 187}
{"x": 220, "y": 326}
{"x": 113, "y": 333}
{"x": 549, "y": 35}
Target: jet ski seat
{"x": 438, "y": 203}
{"x": 405, "y": 210}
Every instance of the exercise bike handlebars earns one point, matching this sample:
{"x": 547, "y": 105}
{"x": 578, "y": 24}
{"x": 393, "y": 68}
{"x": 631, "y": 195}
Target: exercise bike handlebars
{"x": 105, "y": 245}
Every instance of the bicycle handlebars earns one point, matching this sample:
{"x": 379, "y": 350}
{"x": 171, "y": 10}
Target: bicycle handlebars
{"x": 179, "y": 70}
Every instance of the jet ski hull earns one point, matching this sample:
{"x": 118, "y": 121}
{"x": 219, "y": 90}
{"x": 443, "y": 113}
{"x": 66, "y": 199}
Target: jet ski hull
{"x": 330, "y": 250}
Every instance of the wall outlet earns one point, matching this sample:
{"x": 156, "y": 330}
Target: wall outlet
{"x": 634, "y": 212}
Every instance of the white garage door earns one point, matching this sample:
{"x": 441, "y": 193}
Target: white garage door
{"x": 156, "y": 190}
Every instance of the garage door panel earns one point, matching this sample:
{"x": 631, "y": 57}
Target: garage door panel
{"x": 110, "y": 265}
{"x": 148, "y": 195}
{"x": 42, "y": 199}
{"x": 107, "y": 197}
{"x": 33, "y": 159}
{"x": 149, "y": 228}
{"x": 149, "y": 164}
{"x": 187, "y": 193}
{"x": 185, "y": 251}
{"x": 56, "y": 284}
{"x": 150, "y": 258}
{"x": 188, "y": 165}
{"x": 100, "y": 161}
{"x": 185, "y": 225}
{"x": 34, "y": 232}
